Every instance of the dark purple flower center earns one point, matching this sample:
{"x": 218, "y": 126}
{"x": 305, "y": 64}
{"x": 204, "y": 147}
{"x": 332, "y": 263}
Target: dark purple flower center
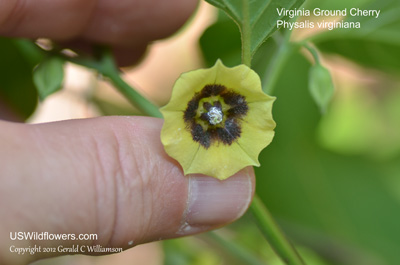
{"x": 214, "y": 115}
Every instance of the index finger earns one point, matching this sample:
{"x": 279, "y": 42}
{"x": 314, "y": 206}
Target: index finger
{"x": 119, "y": 23}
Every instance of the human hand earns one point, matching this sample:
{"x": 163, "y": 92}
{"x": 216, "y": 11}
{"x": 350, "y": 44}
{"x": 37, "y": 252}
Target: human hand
{"x": 107, "y": 176}
{"x": 128, "y": 25}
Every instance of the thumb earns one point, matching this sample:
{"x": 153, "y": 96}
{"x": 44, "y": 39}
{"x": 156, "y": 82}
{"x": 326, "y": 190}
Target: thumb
{"x": 107, "y": 177}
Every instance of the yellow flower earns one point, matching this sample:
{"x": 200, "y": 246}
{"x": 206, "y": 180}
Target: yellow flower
{"x": 217, "y": 121}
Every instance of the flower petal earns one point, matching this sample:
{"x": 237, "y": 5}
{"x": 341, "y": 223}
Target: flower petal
{"x": 241, "y": 79}
{"x": 177, "y": 141}
{"x": 258, "y": 130}
{"x": 220, "y": 161}
{"x": 187, "y": 85}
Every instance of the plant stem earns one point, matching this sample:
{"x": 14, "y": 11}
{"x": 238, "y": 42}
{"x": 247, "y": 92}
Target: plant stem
{"x": 313, "y": 52}
{"x": 107, "y": 67}
{"x": 246, "y": 35}
{"x": 133, "y": 96}
{"x": 276, "y": 65}
{"x": 274, "y": 234}
{"x": 233, "y": 248}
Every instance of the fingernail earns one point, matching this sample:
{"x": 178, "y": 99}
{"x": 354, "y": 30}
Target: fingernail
{"x": 212, "y": 202}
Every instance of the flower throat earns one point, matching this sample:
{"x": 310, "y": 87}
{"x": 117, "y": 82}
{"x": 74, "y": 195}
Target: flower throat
{"x": 214, "y": 115}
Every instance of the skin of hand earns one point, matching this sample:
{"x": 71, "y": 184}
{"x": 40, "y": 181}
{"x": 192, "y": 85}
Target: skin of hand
{"x": 107, "y": 176}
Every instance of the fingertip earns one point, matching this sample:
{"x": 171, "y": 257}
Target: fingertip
{"x": 213, "y": 203}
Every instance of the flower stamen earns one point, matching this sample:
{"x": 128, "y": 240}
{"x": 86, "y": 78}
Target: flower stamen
{"x": 215, "y": 115}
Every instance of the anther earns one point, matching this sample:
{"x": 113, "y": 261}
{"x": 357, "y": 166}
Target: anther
{"x": 215, "y": 115}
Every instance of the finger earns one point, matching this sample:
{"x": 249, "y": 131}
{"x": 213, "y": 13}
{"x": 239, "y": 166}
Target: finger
{"x": 122, "y": 23}
{"x": 128, "y": 26}
{"x": 106, "y": 176}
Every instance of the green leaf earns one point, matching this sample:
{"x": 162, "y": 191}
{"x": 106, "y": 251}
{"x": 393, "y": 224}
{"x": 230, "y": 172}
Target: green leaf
{"x": 17, "y": 91}
{"x": 375, "y": 45}
{"x": 257, "y": 19}
{"x": 335, "y": 5}
{"x": 48, "y": 76}
{"x": 320, "y": 86}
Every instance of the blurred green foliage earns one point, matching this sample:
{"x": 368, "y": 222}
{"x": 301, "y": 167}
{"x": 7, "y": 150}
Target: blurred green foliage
{"x": 320, "y": 85}
{"x": 48, "y": 76}
{"x": 205, "y": 249}
{"x": 376, "y": 44}
{"x": 17, "y": 91}
{"x": 343, "y": 197}
{"x": 228, "y": 48}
